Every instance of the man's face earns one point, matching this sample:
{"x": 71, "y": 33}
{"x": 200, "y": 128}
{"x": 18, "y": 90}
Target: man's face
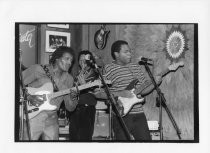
{"x": 123, "y": 57}
{"x": 64, "y": 63}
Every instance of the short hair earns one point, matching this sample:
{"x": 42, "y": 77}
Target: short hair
{"x": 58, "y": 53}
{"x": 116, "y": 47}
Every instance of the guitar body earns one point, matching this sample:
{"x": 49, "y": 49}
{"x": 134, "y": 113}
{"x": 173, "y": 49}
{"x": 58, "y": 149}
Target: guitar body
{"x": 100, "y": 38}
{"x": 46, "y": 89}
{"x": 128, "y": 103}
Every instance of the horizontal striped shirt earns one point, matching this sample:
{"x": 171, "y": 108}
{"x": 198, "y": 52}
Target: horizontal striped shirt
{"x": 122, "y": 76}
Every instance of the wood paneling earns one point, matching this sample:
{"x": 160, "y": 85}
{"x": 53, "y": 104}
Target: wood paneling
{"x": 104, "y": 55}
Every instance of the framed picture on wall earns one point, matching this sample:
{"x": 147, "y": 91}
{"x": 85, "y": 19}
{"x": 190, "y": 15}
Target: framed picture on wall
{"x": 63, "y": 26}
{"x": 55, "y": 39}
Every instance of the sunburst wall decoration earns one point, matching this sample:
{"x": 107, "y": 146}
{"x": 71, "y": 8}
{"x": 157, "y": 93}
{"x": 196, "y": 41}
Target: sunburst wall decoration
{"x": 176, "y": 44}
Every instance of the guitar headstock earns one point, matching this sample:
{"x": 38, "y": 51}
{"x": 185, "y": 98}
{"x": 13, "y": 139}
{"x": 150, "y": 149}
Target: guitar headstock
{"x": 175, "y": 66}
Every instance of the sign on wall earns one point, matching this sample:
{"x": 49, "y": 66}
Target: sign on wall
{"x": 28, "y": 44}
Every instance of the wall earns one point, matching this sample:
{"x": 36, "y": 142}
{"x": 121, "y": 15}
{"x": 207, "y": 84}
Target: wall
{"x": 76, "y": 42}
{"x": 149, "y": 40}
{"x": 102, "y": 56}
{"x": 28, "y": 44}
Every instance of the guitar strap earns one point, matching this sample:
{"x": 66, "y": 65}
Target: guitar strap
{"x": 135, "y": 76}
{"x": 50, "y": 76}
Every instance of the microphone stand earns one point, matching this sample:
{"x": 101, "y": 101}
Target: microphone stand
{"x": 110, "y": 123}
{"x": 162, "y": 103}
{"x": 112, "y": 105}
{"x": 23, "y": 105}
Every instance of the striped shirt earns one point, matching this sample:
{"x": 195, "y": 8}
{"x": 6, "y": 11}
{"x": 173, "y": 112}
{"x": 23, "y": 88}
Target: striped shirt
{"x": 122, "y": 76}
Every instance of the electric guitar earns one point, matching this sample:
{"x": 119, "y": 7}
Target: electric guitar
{"x": 100, "y": 37}
{"x": 128, "y": 103}
{"x": 47, "y": 92}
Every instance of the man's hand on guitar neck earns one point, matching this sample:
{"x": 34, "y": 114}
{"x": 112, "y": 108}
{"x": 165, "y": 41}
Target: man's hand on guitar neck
{"x": 74, "y": 95}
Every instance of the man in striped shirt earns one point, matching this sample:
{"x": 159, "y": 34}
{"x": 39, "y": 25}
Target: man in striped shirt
{"x": 122, "y": 72}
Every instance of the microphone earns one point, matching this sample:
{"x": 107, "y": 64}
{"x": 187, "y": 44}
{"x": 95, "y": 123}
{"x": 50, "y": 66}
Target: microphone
{"x": 90, "y": 60}
{"x": 87, "y": 57}
{"x": 144, "y": 60}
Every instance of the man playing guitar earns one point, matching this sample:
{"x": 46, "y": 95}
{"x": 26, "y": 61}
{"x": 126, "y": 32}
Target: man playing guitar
{"x": 55, "y": 75}
{"x": 124, "y": 76}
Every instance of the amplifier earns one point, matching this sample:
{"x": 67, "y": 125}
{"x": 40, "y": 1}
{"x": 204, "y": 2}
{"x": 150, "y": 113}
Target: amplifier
{"x": 101, "y": 127}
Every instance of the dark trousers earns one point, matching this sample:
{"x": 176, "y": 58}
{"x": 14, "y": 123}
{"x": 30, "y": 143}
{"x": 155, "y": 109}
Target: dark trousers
{"x": 82, "y": 123}
{"x": 136, "y": 124}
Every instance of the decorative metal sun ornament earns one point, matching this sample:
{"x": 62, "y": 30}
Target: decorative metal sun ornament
{"x": 176, "y": 44}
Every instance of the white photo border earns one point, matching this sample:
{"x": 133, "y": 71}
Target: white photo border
{"x": 62, "y": 26}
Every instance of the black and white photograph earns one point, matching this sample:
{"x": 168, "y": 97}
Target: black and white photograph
{"x": 105, "y": 76}
{"x": 129, "y": 90}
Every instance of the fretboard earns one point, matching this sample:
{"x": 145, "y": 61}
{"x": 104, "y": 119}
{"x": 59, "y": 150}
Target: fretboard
{"x": 67, "y": 91}
{"x": 142, "y": 87}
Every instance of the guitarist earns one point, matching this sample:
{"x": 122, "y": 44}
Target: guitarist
{"x": 121, "y": 72}
{"x": 45, "y": 124}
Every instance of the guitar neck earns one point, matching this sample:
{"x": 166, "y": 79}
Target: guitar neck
{"x": 60, "y": 93}
{"x": 67, "y": 91}
{"x": 163, "y": 73}
{"x": 141, "y": 88}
